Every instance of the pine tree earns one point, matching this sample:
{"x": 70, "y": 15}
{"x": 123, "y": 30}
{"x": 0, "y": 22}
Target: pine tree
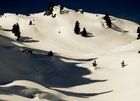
{"x": 77, "y": 28}
{"x": 94, "y": 64}
{"x": 61, "y": 8}
{"x": 50, "y": 11}
{"x": 16, "y": 31}
{"x": 51, "y": 4}
{"x": 107, "y": 19}
{"x": 50, "y": 8}
{"x": 30, "y": 23}
{"x": 14, "y": 28}
{"x": 138, "y": 37}
{"x": 138, "y": 31}
{"x": 84, "y": 32}
{"x": 50, "y": 53}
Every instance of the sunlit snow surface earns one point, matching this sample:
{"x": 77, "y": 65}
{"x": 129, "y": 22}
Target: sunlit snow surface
{"x": 69, "y": 75}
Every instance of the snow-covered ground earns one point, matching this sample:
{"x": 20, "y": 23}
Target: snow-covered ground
{"x": 69, "y": 75}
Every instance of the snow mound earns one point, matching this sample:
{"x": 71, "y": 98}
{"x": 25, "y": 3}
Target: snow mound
{"x": 30, "y": 90}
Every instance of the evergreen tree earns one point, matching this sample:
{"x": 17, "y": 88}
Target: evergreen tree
{"x": 50, "y": 53}
{"x": 138, "y": 30}
{"x": 49, "y": 12}
{"x": 77, "y": 28}
{"x": 51, "y": 4}
{"x": 14, "y": 28}
{"x": 94, "y": 64}
{"x": 61, "y": 8}
{"x": 84, "y": 32}
{"x": 50, "y": 8}
{"x": 16, "y": 31}
{"x": 30, "y": 23}
{"x": 16, "y": 13}
{"x": 54, "y": 15}
{"x": 107, "y": 19}
{"x": 138, "y": 37}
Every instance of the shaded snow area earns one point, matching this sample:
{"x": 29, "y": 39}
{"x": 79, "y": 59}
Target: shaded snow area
{"x": 101, "y": 67}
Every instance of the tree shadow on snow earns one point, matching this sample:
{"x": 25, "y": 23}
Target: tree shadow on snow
{"x": 88, "y": 34}
{"x": 27, "y": 92}
{"x": 3, "y": 100}
{"x": 90, "y": 59}
{"x": 115, "y": 27}
{"x": 82, "y": 95}
{"x": 31, "y": 92}
{"x": 6, "y": 29}
{"x": 40, "y": 68}
{"x": 64, "y": 74}
{"x": 27, "y": 40}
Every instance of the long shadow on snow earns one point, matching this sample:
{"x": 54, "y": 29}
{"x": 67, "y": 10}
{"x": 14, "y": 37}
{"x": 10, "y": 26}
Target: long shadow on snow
{"x": 48, "y": 71}
{"x": 31, "y": 92}
{"x": 27, "y": 92}
{"x": 81, "y": 95}
{"x": 27, "y": 40}
{"x": 6, "y": 30}
{"x": 90, "y": 59}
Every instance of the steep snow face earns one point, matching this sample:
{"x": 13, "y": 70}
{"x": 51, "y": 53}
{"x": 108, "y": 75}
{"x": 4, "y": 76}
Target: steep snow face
{"x": 71, "y": 66}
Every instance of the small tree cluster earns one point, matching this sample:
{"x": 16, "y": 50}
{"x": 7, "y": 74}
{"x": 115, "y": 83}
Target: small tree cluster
{"x": 138, "y": 31}
{"x": 49, "y": 12}
{"x": 16, "y": 31}
{"x": 77, "y": 30}
{"x": 50, "y": 4}
{"x": 107, "y": 19}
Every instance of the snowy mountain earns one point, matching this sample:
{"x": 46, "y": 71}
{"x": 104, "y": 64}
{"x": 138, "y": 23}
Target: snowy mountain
{"x": 69, "y": 75}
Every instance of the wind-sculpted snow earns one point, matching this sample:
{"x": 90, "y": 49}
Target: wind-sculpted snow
{"x": 30, "y": 93}
{"x": 68, "y": 75}
{"x": 40, "y": 68}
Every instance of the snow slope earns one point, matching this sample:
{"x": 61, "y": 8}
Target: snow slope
{"x": 69, "y": 75}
